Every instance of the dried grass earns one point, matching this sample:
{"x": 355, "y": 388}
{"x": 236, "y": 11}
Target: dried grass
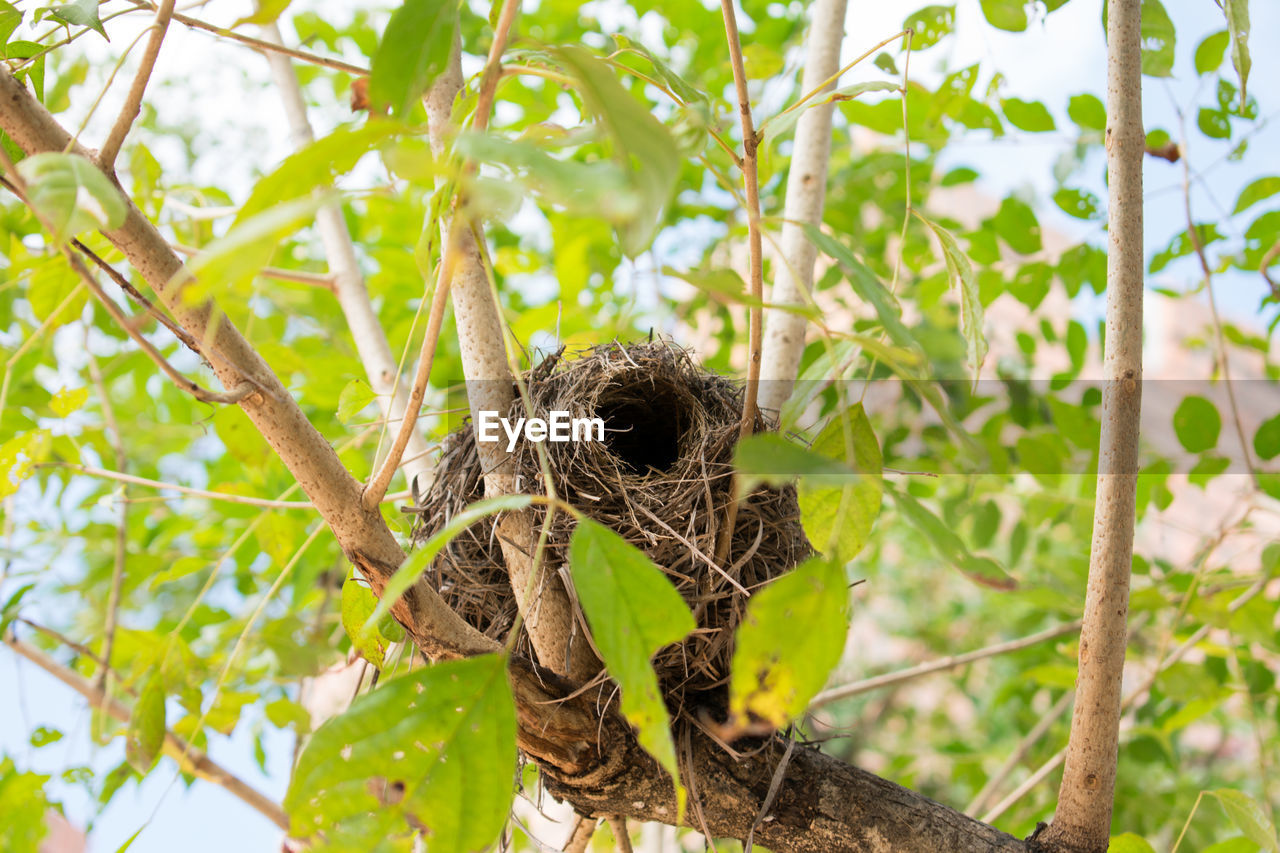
{"x": 661, "y": 479}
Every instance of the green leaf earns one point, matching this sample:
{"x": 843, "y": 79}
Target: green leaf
{"x": 1081, "y": 204}
{"x": 19, "y": 457}
{"x": 769, "y": 458}
{"x": 407, "y": 575}
{"x": 1087, "y": 111}
{"x": 929, "y": 25}
{"x": 72, "y": 194}
{"x": 1031, "y": 116}
{"x": 355, "y": 396}
{"x": 1213, "y": 123}
{"x": 1210, "y": 52}
{"x": 949, "y": 546}
{"x": 642, "y": 146}
{"x": 965, "y": 282}
{"x": 232, "y": 260}
{"x": 1249, "y": 818}
{"x": 684, "y": 90}
{"x": 179, "y": 568}
{"x": 9, "y": 611}
{"x": 1197, "y": 424}
{"x": 778, "y": 126}
{"x": 435, "y": 748}
{"x": 144, "y": 740}
{"x": 34, "y": 71}
{"x": 316, "y": 165}
{"x": 1237, "y": 12}
{"x": 959, "y": 175}
{"x": 78, "y": 13}
{"x": 1129, "y": 843}
{"x": 776, "y": 668}
{"x": 1158, "y": 39}
{"x": 10, "y": 17}
{"x": 43, "y": 736}
{"x": 1010, "y": 15}
{"x": 68, "y": 400}
{"x": 633, "y": 611}
{"x": 1256, "y": 191}
{"x": 414, "y": 49}
{"x": 358, "y": 604}
{"x": 866, "y": 284}
{"x": 1266, "y": 441}
{"x": 838, "y": 512}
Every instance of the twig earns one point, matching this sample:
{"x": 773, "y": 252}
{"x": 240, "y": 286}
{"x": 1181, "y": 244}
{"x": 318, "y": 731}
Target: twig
{"x": 751, "y": 179}
{"x": 1198, "y": 245}
{"x": 866, "y": 685}
{"x": 1129, "y": 703}
{"x": 118, "y": 476}
{"x": 190, "y": 759}
{"x": 260, "y": 44}
{"x": 1267, "y": 260}
{"x": 378, "y": 484}
{"x": 1024, "y": 746}
{"x": 315, "y": 279}
{"x": 1087, "y": 793}
{"x": 115, "y": 439}
{"x": 235, "y": 395}
{"x": 133, "y": 102}
{"x": 775, "y": 784}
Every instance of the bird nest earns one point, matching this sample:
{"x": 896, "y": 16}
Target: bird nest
{"x": 661, "y": 479}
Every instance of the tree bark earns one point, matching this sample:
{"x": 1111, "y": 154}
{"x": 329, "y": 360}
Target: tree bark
{"x": 784, "y": 330}
{"x": 1082, "y": 822}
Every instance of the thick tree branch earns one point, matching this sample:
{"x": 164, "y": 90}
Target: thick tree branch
{"x": 806, "y": 194}
{"x": 542, "y": 600}
{"x": 190, "y": 759}
{"x": 1082, "y": 821}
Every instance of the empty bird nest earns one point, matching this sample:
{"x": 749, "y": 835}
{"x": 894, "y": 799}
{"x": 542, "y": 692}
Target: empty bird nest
{"x": 661, "y": 479}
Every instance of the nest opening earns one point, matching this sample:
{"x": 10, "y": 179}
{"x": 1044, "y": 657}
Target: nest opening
{"x": 645, "y": 419}
{"x": 661, "y": 479}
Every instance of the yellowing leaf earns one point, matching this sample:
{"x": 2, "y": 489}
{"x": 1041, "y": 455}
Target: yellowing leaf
{"x": 19, "y": 456}
{"x": 435, "y": 748}
{"x": 68, "y": 400}
{"x": 633, "y": 611}
{"x": 358, "y": 604}
{"x": 791, "y": 639}
{"x": 838, "y": 512}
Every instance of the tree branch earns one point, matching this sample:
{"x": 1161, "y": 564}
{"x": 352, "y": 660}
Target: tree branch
{"x": 806, "y": 195}
{"x": 348, "y": 284}
{"x": 1082, "y": 821}
{"x": 751, "y": 179}
{"x": 541, "y": 598}
{"x": 866, "y": 685}
{"x": 363, "y": 535}
{"x": 190, "y": 759}
{"x": 133, "y": 101}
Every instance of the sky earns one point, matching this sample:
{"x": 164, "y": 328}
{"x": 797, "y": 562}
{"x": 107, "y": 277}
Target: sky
{"x": 1053, "y": 60}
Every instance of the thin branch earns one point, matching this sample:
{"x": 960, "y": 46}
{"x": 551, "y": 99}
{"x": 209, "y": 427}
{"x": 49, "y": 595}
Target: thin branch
{"x": 621, "y": 837}
{"x": 347, "y": 283}
{"x": 1198, "y": 245}
{"x": 115, "y": 439}
{"x": 378, "y": 484}
{"x": 190, "y": 759}
{"x": 315, "y": 279}
{"x": 260, "y": 44}
{"x": 889, "y": 679}
{"x": 1082, "y": 820}
{"x": 805, "y": 199}
{"x": 751, "y": 179}
{"x": 1033, "y": 737}
{"x": 244, "y": 500}
{"x": 235, "y": 395}
{"x": 133, "y": 102}
{"x": 1267, "y": 260}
